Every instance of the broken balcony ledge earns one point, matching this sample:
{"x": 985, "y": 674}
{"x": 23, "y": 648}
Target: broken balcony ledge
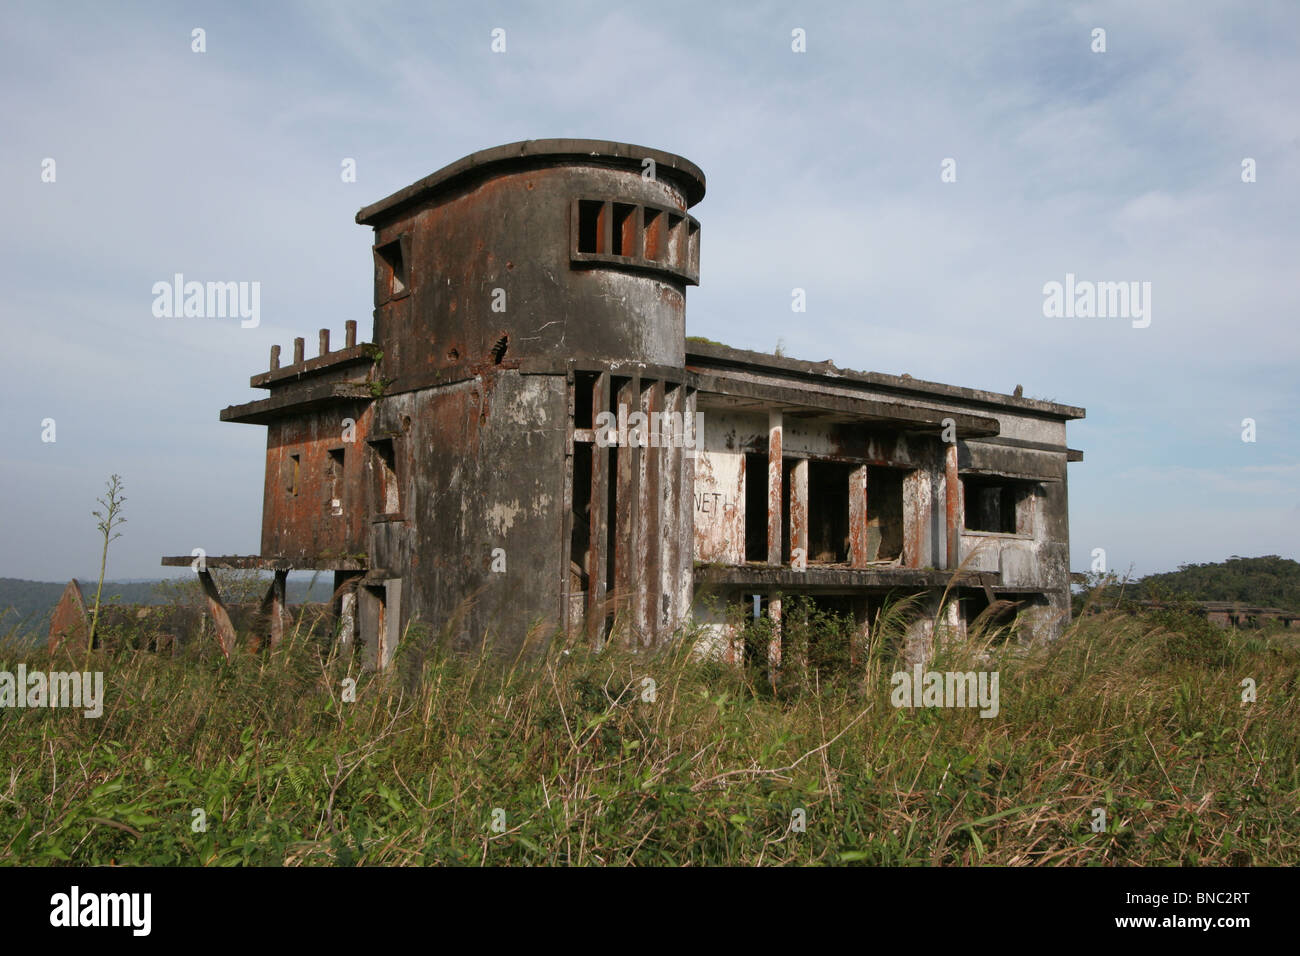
{"x": 768, "y": 577}
{"x": 267, "y": 410}
{"x": 257, "y": 562}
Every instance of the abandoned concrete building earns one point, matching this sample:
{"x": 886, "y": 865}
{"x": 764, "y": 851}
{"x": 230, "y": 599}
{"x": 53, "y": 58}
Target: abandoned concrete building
{"x": 531, "y": 444}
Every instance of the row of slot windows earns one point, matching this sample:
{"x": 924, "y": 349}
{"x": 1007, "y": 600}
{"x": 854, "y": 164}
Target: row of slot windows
{"x": 647, "y": 235}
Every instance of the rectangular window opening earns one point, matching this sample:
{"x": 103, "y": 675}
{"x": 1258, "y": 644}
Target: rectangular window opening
{"x": 654, "y": 235}
{"x": 624, "y": 233}
{"x": 991, "y": 620}
{"x": 885, "y": 513}
{"x": 390, "y": 279}
{"x": 590, "y": 222}
{"x": 828, "y": 511}
{"x": 997, "y": 505}
{"x": 675, "y": 248}
{"x": 580, "y": 538}
{"x": 584, "y": 391}
{"x": 756, "y": 508}
{"x": 336, "y": 481}
{"x": 386, "y": 487}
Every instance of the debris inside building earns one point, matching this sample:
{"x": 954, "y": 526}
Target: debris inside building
{"x": 530, "y": 444}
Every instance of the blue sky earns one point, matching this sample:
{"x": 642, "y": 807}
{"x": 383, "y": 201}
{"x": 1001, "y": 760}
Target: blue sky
{"x": 823, "y": 173}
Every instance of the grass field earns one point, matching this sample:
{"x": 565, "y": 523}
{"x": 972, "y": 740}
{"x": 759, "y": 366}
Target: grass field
{"x": 576, "y": 758}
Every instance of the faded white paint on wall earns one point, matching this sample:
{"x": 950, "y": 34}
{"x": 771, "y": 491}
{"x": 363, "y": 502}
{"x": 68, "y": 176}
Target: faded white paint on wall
{"x": 719, "y": 507}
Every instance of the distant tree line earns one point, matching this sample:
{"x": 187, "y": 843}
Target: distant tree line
{"x": 1269, "y": 581}
{"x": 25, "y": 606}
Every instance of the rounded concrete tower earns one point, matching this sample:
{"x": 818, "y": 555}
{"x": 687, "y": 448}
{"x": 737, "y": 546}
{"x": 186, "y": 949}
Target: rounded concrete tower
{"x": 541, "y": 250}
{"x": 523, "y": 295}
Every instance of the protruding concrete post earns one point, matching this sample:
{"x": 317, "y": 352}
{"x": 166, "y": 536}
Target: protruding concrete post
{"x": 350, "y": 333}
{"x": 275, "y": 607}
{"x": 347, "y": 618}
{"x": 299, "y": 346}
{"x": 220, "y": 617}
{"x": 279, "y": 607}
{"x": 324, "y": 341}
{"x": 275, "y": 357}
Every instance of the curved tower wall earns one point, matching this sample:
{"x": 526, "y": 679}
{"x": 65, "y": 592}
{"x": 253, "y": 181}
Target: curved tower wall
{"x": 518, "y": 293}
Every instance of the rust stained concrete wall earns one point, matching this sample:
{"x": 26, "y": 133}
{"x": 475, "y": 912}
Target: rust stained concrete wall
{"x": 497, "y": 299}
{"x": 512, "y": 231}
{"x": 305, "y": 526}
{"x": 482, "y": 468}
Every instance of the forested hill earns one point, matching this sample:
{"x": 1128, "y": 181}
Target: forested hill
{"x": 1270, "y": 581}
{"x": 25, "y": 606}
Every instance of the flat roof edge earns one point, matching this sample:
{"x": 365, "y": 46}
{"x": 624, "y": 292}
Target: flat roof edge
{"x": 687, "y": 173}
{"x": 829, "y": 372}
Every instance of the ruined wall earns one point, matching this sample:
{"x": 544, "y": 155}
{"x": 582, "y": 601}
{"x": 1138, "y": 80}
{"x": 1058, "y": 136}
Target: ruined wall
{"x": 314, "y": 498}
{"x": 902, "y": 520}
{"x": 480, "y": 466}
{"x": 1029, "y": 451}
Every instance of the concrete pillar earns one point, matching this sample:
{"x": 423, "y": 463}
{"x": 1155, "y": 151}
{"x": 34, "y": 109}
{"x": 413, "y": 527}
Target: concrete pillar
{"x": 917, "y": 509}
{"x": 627, "y": 516}
{"x": 775, "y": 493}
{"x": 380, "y": 608}
{"x": 858, "y": 536}
{"x": 347, "y": 619}
{"x": 799, "y": 514}
{"x": 952, "y": 504}
{"x": 345, "y": 606}
{"x": 600, "y": 518}
{"x": 686, "y": 509}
